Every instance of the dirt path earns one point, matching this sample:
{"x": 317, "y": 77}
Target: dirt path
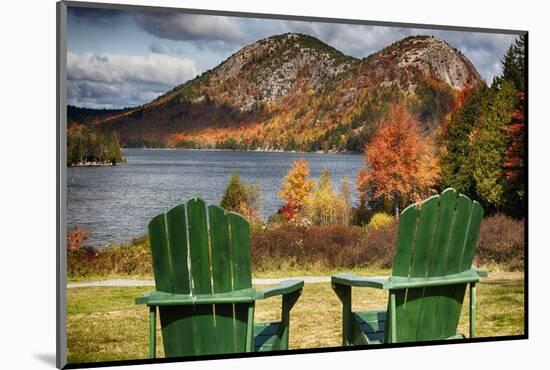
{"x": 493, "y": 277}
{"x": 138, "y": 282}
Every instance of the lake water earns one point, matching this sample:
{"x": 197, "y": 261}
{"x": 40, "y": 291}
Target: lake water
{"x": 115, "y": 203}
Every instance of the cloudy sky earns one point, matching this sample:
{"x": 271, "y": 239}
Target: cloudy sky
{"x": 125, "y": 58}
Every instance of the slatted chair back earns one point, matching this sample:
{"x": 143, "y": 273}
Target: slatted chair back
{"x": 201, "y": 250}
{"x": 436, "y": 238}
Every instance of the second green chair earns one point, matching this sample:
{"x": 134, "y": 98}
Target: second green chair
{"x": 436, "y": 244}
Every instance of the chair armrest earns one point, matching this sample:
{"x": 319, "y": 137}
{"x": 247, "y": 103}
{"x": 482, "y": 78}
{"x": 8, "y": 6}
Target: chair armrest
{"x": 464, "y": 277}
{"x": 169, "y": 299}
{"x": 283, "y": 288}
{"x": 481, "y": 273}
{"x": 401, "y": 282}
{"x": 348, "y": 279}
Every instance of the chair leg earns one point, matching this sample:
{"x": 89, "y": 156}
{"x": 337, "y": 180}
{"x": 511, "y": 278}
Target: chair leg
{"x": 250, "y": 329}
{"x": 472, "y": 309}
{"x": 393, "y": 326}
{"x": 288, "y": 302}
{"x": 344, "y": 293}
{"x": 152, "y": 332}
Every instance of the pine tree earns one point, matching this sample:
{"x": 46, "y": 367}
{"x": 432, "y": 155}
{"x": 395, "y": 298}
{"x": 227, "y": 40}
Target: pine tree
{"x": 489, "y": 145}
{"x": 242, "y": 197}
{"x": 234, "y": 197}
{"x": 513, "y": 64}
{"x": 456, "y": 167}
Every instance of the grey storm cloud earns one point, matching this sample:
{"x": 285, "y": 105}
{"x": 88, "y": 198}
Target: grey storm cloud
{"x": 97, "y": 16}
{"x": 189, "y": 27}
{"x": 122, "y": 80}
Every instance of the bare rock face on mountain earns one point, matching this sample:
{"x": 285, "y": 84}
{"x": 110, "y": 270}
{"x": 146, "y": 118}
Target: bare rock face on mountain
{"x": 293, "y": 91}
{"x": 271, "y": 68}
{"x": 435, "y": 59}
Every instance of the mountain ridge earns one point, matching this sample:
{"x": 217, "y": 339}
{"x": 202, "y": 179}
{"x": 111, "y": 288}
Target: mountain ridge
{"x": 294, "y": 92}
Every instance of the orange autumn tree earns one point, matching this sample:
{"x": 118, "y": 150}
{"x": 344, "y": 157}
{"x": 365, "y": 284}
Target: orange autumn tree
{"x": 402, "y": 166}
{"x": 296, "y": 189}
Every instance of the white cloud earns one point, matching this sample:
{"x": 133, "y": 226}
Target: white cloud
{"x": 122, "y": 80}
{"x": 183, "y": 27}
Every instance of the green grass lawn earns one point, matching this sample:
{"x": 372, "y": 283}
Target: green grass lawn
{"x": 104, "y": 324}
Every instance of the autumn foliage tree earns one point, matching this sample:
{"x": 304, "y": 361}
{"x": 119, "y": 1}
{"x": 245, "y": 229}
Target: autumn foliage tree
{"x": 514, "y": 165}
{"x": 401, "y": 164}
{"x": 295, "y": 190}
{"x": 328, "y": 206}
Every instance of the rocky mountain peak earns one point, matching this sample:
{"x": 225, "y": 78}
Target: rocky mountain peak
{"x": 432, "y": 57}
{"x": 274, "y": 67}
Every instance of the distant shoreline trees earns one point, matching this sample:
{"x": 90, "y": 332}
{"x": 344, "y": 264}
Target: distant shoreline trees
{"x": 92, "y": 146}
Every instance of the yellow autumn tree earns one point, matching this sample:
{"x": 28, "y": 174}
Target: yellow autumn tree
{"x": 320, "y": 209}
{"x": 326, "y": 205}
{"x": 296, "y": 189}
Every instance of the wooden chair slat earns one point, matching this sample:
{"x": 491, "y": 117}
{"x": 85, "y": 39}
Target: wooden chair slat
{"x": 201, "y": 276}
{"x": 240, "y": 244}
{"x": 220, "y": 242}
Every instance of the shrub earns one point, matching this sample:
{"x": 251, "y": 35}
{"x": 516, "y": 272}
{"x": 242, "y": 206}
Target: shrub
{"x": 133, "y": 258}
{"x": 379, "y": 220}
{"x": 276, "y": 218}
{"x": 501, "y": 241}
{"x": 322, "y": 247}
{"x": 76, "y": 237}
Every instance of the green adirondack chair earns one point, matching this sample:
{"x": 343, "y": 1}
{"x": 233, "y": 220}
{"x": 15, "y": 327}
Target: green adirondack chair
{"x": 204, "y": 294}
{"x": 436, "y": 244}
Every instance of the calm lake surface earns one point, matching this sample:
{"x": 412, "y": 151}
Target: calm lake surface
{"x": 116, "y": 203}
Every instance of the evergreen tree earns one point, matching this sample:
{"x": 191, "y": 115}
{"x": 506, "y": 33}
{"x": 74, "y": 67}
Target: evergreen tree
{"x": 513, "y": 64}
{"x": 456, "y": 167}
{"x": 489, "y": 145}
{"x": 234, "y": 197}
{"x": 241, "y": 197}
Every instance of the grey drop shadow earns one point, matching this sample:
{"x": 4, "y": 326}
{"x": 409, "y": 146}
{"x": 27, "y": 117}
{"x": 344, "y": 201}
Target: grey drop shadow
{"x": 47, "y": 358}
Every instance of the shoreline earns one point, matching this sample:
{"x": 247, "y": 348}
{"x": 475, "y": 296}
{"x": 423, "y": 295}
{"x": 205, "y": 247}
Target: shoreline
{"x": 248, "y": 150}
{"x": 95, "y": 164}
